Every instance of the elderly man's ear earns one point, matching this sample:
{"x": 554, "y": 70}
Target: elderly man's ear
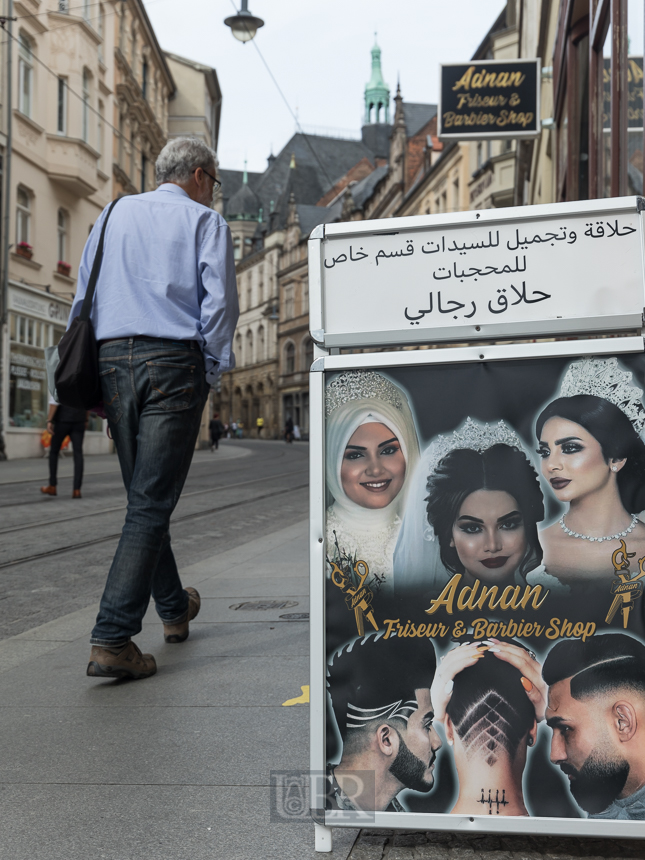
{"x": 387, "y": 740}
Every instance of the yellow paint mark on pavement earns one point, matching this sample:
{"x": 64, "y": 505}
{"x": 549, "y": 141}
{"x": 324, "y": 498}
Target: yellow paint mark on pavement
{"x": 300, "y": 700}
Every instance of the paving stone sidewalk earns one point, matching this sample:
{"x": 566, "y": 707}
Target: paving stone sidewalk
{"x": 400, "y": 845}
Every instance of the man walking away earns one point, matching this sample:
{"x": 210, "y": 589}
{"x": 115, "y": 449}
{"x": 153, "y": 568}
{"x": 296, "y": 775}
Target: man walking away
{"x": 216, "y": 429}
{"x": 259, "y": 423}
{"x": 164, "y": 314}
{"x": 65, "y": 421}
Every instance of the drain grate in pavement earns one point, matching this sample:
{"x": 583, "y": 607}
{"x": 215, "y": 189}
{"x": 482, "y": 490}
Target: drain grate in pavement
{"x": 260, "y": 605}
{"x": 296, "y": 616}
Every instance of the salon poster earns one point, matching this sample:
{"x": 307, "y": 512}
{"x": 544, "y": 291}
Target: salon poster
{"x": 485, "y": 540}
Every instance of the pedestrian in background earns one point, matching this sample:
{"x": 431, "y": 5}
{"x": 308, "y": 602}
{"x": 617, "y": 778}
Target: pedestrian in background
{"x": 65, "y": 421}
{"x": 288, "y": 430}
{"x": 240, "y": 430}
{"x": 216, "y": 429}
{"x": 164, "y": 314}
{"x": 233, "y": 429}
{"x": 259, "y": 423}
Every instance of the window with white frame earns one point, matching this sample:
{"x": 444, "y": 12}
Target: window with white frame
{"x": 25, "y": 75}
{"x": 85, "y": 131}
{"x": 23, "y": 216}
{"x": 61, "y": 110}
{"x": 62, "y": 235}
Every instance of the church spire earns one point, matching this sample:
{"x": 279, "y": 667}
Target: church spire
{"x": 377, "y": 92}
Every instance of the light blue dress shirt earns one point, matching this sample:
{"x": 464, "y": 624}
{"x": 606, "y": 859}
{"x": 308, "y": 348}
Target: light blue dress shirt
{"x": 167, "y": 271}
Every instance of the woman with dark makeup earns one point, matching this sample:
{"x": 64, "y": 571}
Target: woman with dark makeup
{"x": 482, "y": 503}
{"x": 593, "y": 459}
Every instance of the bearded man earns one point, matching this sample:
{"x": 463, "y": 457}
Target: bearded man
{"x": 380, "y": 695}
{"x": 597, "y": 712}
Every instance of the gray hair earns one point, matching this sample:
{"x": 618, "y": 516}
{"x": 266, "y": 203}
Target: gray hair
{"x": 180, "y": 157}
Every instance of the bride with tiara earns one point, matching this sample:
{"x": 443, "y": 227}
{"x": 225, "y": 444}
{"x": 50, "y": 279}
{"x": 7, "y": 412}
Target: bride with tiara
{"x": 593, "y": 459}
{"x": 473, "y": 509}
{"x": 371, "y": 452}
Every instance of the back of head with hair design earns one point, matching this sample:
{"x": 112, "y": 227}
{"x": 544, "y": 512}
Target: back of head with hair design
{"x": 611, "y": 661}
{"x": 464, "y": 471}
{"x": 375, "y": 678}
{"x": 490, "y": 710}
{"x": 616, "y": 435}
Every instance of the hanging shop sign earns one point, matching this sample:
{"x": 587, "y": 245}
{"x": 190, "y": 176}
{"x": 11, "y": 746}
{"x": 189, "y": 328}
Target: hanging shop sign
{"x": 518, "y": 272}
{"x": 487, "y": 99}
{"x": 477, "y": 548}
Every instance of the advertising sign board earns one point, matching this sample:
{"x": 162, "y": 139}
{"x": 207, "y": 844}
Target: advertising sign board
{"x": 489, "y": 99}
{"x": 477, "y": 568}
{"x": 516, "y": 272}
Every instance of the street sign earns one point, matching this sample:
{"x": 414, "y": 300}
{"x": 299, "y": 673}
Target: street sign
{"x": 477, "y": 557}
{"x": 486, "y": 99}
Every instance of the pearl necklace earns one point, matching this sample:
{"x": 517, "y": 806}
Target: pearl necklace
{"x": 627, "y": 531}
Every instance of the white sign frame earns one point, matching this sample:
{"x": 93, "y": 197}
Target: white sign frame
{"x": 480, "y": 824}
{"x": 388, "y": 330}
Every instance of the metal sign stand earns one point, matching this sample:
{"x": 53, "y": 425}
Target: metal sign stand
{"x": 336, "y": 323}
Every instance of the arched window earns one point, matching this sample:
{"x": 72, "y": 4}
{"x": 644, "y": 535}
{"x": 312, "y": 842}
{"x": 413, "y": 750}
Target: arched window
{"x": 62, "y": 236}
{"x": 85, "y": 131}
{"x": 238, "y": 348}
{"x": 249, "y": 348}
{"x": 25, "y": 76}
{"x": 261, "y": 354}
{"x": 307, "y": 354}
{"x": 289, "y": 358}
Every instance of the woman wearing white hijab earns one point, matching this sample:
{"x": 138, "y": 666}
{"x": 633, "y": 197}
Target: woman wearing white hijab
{"x": 372, "y": 450}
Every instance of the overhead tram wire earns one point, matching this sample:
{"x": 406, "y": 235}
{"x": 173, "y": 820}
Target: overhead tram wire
{"x": 284, "y": 99}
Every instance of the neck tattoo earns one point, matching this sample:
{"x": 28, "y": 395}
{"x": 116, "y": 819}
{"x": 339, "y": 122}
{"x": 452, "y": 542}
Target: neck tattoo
{"x": 497, "y": 801}
{"x": 627, "y": 531}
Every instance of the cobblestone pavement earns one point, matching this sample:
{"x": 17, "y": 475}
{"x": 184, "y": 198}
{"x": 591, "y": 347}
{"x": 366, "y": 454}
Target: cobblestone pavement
{"x": 401, "y": 845}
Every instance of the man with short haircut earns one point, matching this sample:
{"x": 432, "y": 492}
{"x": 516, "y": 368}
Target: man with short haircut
{"x": 597, "y": 713}
{"x": 380, "y": 695}
{"x": 164, "y": 314}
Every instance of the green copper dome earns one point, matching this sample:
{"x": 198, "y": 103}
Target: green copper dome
{"x": 377, "y": 92}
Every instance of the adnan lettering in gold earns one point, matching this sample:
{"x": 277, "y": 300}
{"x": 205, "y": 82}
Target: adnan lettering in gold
{"x": 472, "y": 79}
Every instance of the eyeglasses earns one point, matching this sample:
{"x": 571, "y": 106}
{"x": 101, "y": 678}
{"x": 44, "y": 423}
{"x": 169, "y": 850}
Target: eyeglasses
{"x": 216, "y": 183}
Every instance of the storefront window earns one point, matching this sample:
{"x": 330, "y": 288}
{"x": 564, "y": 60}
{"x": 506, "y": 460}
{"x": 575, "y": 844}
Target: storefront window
{"x": 27, "y": 386}
{"x": 28, "y": 395}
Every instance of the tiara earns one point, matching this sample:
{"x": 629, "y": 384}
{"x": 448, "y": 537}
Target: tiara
{"x": 361, "y": 385}
{"x": 604, "y": 378}
{"x": 475, "y": 437}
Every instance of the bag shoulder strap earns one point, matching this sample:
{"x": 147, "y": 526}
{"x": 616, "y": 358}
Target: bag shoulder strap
{"x": 96, "y": 268}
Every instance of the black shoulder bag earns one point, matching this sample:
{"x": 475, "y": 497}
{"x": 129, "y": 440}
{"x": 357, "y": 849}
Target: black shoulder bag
{"x": 77, "y": 374}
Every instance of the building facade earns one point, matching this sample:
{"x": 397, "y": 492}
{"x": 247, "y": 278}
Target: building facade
{"x": 60, "y": 180}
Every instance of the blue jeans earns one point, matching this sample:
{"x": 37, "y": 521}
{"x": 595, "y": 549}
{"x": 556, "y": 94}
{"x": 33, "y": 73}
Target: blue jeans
{"x": 154, "y": 392}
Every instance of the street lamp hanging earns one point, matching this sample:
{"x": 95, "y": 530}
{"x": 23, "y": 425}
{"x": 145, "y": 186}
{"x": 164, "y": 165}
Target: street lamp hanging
{"x": 244, "y": 26}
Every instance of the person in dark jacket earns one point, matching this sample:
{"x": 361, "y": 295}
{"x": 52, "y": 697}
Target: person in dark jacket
{"x": 216, "y": 429}
{"x": 65, "y": 421}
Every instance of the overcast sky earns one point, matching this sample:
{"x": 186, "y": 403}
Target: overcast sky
{"x": 319, "y": 53}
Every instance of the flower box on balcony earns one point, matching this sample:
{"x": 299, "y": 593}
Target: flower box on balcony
{"x": 24, "y": 249}
{"x": 64, "y": 268}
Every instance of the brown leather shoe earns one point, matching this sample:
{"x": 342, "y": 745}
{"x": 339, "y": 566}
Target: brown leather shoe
{"x": 76, "y": 494}
{"x": 48, "y": 490}
{"x": 125, "y": 661}
{"x": 178, "y": 631}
